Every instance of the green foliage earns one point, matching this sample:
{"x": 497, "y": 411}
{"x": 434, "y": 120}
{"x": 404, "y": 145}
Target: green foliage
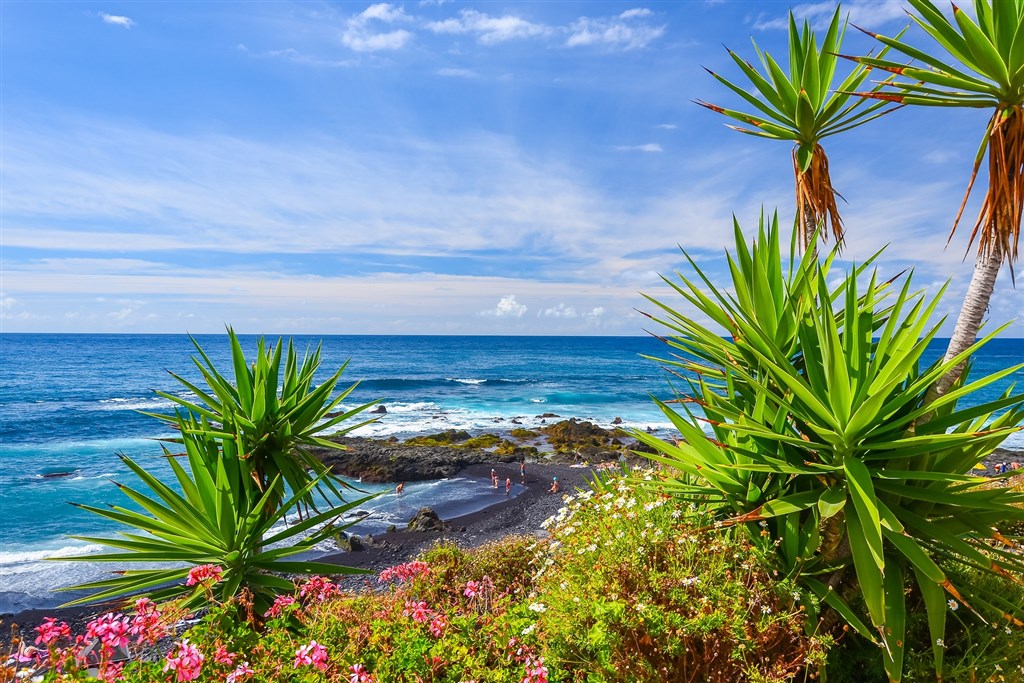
{"x": 274, "y": 414}
{"x": 246, "y": 447}
{"x": 807, "y": 104}
{"x": 636, "y": 586}
{"x": 211, "y": 523}
{"x": 816, "y": 400}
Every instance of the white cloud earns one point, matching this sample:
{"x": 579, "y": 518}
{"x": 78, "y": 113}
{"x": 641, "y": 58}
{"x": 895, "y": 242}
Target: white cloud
{"x": 596, "y": 312}
{"x": 360, "y": 36}
{"x": 633, "y": 13}
{"x": 7, "y": 302}
{"x": 866, "y": 13}
{"x": 508, "y": 307}
{"x": 489, "y": 29}
{"x": 667, "y": 126}
{"x": 649, "y": 147}
{"x": 116, "y": 20}
{"x": 457, "y": 73}
{"x": 620, "y": 32}
{"x": 293, "y": 55}
{"x": 559, "y": 311}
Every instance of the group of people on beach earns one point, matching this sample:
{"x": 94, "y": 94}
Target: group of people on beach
{"x": 555, "y": 486}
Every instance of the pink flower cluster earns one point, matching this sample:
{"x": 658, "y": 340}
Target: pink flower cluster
{"x": 51, "y": 630}
{"x": 359, "y": 674}
{"x": 536, "y": 672}
{"x": 318, "y": 589}
{"x": 404, "y": 572}
{"x": 241, "y": 672}
{"x": 475, "y": 588}
{"x": 186, "y": 661}
{"x": 280, "y": 603}
{"x": 313, "y": 654}
{"x": 418, "y": 610}
{"x": 223, "y": 657}
{"x": 147, "y": 624}
{"x": 205, "y": 573}
{"x": 112, "y": 630}
{"x": 438, "y": 625}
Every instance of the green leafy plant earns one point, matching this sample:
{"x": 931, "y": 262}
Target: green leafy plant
{"x": 274, "y": 413}
{"x": 980, "y": 64}
{"x": 210, "y": 523}
{"x": 804, "y": 106}
{"x": 815, "y": 400}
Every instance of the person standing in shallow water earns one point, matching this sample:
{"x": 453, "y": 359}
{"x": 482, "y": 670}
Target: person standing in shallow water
{"x": 399, "y": 488}
{"x": 508, "y": 485}
{"x": 522, "y": 472}
{"x": 494, "y": 479}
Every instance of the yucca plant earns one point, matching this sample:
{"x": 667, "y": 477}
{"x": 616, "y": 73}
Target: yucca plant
{"x": 981, "y": 66}
{"x": 804, "y": 106}
{"x": 817, "y": 448}
{"x": 213, "y": 521}
{"x": 274, "y": 413}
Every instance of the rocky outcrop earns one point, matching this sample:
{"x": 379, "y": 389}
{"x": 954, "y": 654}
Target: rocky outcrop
{"x": 584, "y": 439}
{"x": 425, "y": 520}
{"x": 389, "y": 461}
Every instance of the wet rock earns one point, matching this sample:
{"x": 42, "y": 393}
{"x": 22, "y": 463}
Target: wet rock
{"x": 380, "y": 410}
{"x": 392, "y": 529}
{"x": 617, "y": 421}
{"x": 426, "y": 520}
{"x": 547, "y": 415}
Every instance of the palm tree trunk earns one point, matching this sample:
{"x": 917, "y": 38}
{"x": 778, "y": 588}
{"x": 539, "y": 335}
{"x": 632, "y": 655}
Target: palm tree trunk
{"x": 979, "y": 292}
{"x": 810, "y": 224}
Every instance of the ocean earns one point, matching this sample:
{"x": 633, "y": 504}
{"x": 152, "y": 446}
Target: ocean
{"x": 69, "y": 403}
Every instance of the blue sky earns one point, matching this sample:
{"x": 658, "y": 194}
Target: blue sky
{"x": 420, "y": 167}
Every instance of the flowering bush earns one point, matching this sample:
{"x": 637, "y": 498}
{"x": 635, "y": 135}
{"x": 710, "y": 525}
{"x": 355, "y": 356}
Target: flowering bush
{"x": 637, "y": 586}
{"x": 629, "y": 587}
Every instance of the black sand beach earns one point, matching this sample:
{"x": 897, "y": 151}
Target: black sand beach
{"x": 522, "y": 514}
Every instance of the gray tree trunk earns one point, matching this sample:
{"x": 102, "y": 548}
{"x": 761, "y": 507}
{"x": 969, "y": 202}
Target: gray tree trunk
{"x": 810, "y": 224}
{"x": 979, "y": 292}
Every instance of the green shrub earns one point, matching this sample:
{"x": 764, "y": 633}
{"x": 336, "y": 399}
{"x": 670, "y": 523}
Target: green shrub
{"x": 636, "y": 586}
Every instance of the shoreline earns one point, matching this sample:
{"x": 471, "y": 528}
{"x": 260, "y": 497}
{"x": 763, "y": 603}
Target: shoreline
{"x": 519, "y": 515}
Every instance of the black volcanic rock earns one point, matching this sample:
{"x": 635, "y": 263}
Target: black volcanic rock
{"x": 386, "y": 461}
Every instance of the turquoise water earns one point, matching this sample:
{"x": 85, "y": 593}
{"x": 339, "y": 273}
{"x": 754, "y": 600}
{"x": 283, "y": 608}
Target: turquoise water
{"x": 69, "y": 404}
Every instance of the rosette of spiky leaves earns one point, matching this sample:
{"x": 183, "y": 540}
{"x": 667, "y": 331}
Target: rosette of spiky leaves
{"x": 804, "y": 106}
{"x": 817, "y": 446}
{"x": 275, "y": 414}
{"x": 211, "y": 522}
{"x": 983, "y": 68}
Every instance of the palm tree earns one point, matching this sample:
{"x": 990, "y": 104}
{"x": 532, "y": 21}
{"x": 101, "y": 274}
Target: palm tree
{"x": 804, "y": 107}
{"x": 983, "y": 69}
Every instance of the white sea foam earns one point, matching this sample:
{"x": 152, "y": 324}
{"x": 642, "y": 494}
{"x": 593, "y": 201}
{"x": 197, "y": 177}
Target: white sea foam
{"x": 153, "y": 403}
{"x": 465, "y": 381}
{"x": 10, "y": 560}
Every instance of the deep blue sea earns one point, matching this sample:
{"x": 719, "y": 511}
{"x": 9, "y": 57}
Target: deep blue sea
{"x": 69, "y": 404}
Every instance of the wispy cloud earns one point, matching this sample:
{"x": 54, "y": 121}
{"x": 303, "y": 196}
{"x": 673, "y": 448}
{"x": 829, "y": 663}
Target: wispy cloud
{"x": 867, "y": 13}
{"x": 559, "y": 311}
{"x": 360, "y": 34}
{"x": 620, "y": 32}
{"x": 650, "y": 147}
{"x": 116, "y": 20}
{"x": 489, "y": 29}
{"x": 457, "y": 73}
{"x": 667, "y": 126}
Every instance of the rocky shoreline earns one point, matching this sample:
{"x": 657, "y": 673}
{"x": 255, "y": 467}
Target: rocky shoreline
{"x": 567, "y": 449}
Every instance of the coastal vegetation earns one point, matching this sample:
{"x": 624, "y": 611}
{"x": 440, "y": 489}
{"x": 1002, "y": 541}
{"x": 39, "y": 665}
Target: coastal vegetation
{"x": 818, "y": 516}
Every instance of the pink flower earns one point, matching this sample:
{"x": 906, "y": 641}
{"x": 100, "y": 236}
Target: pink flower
{"x": 205, "y": 573}
{"x": 417, "y": 610}
{"x": 318, "y": 589}
{"x": 438, "y": 625}
{"x": 536, "y": 672}
{"x": 51, "y": 630}
{"x": 186, "y": 662}
{"x": 110, "y": 629}
{"x": 223, "y": 657}
{"x": 146, "y": 626}
{"x": 110, "y": 671}
{"x": 313, "y": 654}
{"x": 404, "y": 572}
{"x": 242, "y": 671}
{"x": 358, "y": 674}
{"x": 472, "y": 588}
{"x": 280, "y": 603}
